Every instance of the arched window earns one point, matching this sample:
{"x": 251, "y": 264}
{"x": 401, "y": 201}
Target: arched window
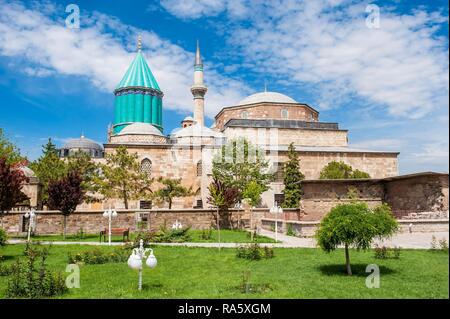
{"x": 199, "y": 168}
{"x": 284, "y": 113}
{"x": 146, "y": 166}
{"x": 244, "y": 114}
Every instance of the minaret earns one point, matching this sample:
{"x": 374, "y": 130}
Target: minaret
{"x": 199, "y": 89}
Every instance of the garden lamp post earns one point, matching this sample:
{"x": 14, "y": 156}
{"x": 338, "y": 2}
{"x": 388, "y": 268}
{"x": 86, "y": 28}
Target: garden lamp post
{"x": 136, "y": 258}
{"x": 177, "y": 225}
{"x": 276, "y": 210}
{"x": 110, "y": 213}
{"x": 32, "y": 216}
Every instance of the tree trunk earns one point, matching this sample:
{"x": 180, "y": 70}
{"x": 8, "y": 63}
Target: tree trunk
{"x": 65, "y": 227}
{"x": 170, "y": 203}
{"x": 251, "y": 223}
{"x": 125, "y": 199}
{"x": 218, "y": 225}
{"x": 347, "y": 261}
{"x": 1, "y": 219}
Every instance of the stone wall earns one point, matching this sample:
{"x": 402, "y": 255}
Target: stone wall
{"x": 417, "y": 193}
{"x": 267, "y": 111}
{"x": 406, "y": 195}
{"x": 50, "y": 222}
{"x": 308, "y": 228}
{"x": 286, "y": 136}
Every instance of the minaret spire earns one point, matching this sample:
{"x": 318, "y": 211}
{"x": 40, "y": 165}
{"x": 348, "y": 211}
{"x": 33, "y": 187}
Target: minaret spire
{"x": 199, "y": 89}
{"x": 198, "y": 56}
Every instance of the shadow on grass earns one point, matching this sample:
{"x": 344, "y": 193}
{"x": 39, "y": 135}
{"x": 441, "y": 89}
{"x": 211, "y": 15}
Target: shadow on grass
{"x": 358, "y": 270}
{"x": 7, "y": 257}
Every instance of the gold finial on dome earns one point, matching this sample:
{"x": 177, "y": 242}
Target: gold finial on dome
{"x": 139, "y": 44}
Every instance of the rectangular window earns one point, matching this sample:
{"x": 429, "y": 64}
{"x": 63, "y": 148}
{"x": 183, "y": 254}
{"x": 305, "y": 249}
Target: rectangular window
{"x": 279, "y": 199}
{"x": 145, "y": 204}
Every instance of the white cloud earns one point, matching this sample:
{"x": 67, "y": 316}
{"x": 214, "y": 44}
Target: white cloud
{"x": 101, "y": 50}
{"x": 402, "y": 67}
{"x": 433, "y": 153}
{"x": 198, "y": 8}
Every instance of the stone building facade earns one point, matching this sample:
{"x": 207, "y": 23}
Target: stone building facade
{"x": 270, "y": 120}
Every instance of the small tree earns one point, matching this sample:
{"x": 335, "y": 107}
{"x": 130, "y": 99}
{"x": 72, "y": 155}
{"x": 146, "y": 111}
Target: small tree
{"x": 340, "y": 170}
{"x": 171, "y": 189}
{"x": 65, "y": 195}
{"x": 221, "y": 197}
{"x": 238, "y": 163}
{"x": 356, "y": 225}
{"x": 11, "y": 183}
{"x": 360, "y": 174}
{"x": 49, "y": 167}
{"x": 293, "y": 178}
{"x": 81, "y": 163}
{"x": 9, "y": 151}
{"x": 121, "y": 177}
{"x": 252, "y": 193}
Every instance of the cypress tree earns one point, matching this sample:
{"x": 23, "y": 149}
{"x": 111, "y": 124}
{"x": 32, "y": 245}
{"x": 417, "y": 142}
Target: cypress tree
{"x": 292, "y": 179}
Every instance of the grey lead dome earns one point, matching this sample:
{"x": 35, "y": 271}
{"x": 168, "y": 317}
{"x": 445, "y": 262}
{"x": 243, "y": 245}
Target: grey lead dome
{"x": 82, "y": 143}
{"x": 272, "y": 97}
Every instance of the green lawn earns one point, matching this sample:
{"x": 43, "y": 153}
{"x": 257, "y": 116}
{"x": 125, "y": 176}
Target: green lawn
{"x": 227, "y": 236}
{"x": 293, "y": 273}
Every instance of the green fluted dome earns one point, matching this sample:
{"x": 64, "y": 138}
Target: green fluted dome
{"x": 138, "y": 97}
{"x": 139, "y": 75}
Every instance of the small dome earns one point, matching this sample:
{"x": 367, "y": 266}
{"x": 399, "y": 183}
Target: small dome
{"x": 140, "y": 128}
{"x": 27, "y": 172}
{"x": 188, "y": 119}
{"x": 272, "y": 97}
{"x": 195, "y": 131}
{"x": 82, "y": 143}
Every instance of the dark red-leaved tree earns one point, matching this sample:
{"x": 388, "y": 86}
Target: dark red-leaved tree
{"x": 65, "y": 195}
{"x": 11, "y": 182}
{"x": 222, "y": 197}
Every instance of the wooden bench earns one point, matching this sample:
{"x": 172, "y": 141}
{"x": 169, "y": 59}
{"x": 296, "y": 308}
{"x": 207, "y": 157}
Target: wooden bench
{"x": 124, "y": 232}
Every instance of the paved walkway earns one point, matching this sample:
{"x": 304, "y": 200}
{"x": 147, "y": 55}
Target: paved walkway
{"x": 404, "y": 240}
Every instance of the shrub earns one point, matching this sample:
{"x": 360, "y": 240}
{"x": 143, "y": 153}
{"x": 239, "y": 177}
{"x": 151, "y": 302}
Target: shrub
{"x": 97, "y": 256}
{"x": 434, "y": 242}
{"x": 387, "y": 253}
{"x": 206, "y": 234}
{"x": 5, "y": 270}
{"x": 80, "y": 234}
{"x": 290, "y": 230}
{"x": 439, "y": 245}
{"x": 254, "y": 252}
{"x": 165, "y": 235}
{"x": 3, "y": 237}
{"x": 443, "y": 244}
{"x": 30, "y": 281}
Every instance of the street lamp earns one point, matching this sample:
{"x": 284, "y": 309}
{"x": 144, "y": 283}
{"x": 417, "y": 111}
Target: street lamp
{"x": 136, "y": 258}
{"x": 276, "y": 210}
{"x": 31, "y": 223}
{"x": 177, "y": 225}
{"x": 110, "y": 213}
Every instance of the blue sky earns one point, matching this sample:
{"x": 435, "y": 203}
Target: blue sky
{"x": 387, "y": 85}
